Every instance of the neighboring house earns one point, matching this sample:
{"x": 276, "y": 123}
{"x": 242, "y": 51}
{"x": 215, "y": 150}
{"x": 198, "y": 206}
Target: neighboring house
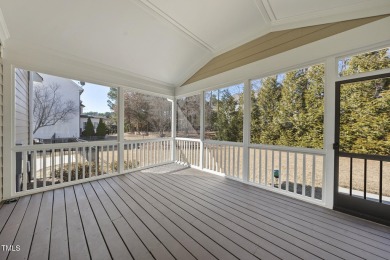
{"x": 25, "y": 84}
{"x": 94, "y": 119}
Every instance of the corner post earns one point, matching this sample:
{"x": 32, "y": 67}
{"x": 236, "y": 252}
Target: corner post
{"x": 246, "y": 130}
{"x": 121, "y": 129}
{"x": 329, "y": 131}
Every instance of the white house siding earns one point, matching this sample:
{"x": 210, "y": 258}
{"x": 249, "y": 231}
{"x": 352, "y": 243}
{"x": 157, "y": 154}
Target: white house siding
{"x": 69, "y": 91}
{"x": 1, "y": 130}
{"x": 21, "y": 107}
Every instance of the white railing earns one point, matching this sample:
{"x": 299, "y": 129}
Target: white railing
{"x": 188, "y": 151}
{"x": 224, "y": 157}
{"x": 41, "y": 166}
{"x": 292, "y": 170}
{"x": 139, "y": 154}
{"x": 295, "y": 171}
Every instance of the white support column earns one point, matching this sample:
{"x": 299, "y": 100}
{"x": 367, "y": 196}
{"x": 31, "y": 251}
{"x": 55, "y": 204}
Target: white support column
{"x": 329, "y": 130}
{"x": 246, "y": 130}
{"x": 121, "y": 129}
{"x": 173, "y": 128}
{"x": 9, "y": 178}
{"x": 201, "y": 120}
{"x": 31, "y": 107}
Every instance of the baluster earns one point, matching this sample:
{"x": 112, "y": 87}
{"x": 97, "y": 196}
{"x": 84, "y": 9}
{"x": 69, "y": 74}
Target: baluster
{"x": 254, "y": 165}
{"x": 24, "y": 170}
{"x": 61, "y": 165}
{"x": 280, "y": 171}
{"x": 272, "y": 169}
{"x": 44, "y": 167}
{"x": 304, "y": 175}
{"x": 295, "y": 173}
{"x": 84, "y": 162}
{"x": 260, "y": 165}
{"x": 266, "y": 168}
{"x": 288, "y": 172}
{"x": 313, "y": 176}
{"x": 77, "y": 164}
{"x": 34, "y": 167}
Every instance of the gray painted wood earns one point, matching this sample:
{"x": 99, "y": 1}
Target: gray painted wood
{"x": 5, "y": 212}
{"x": 130, "y": 238}
{"x": 187, "y": 241}
{"x": 26, "y": 230}
{"x": 113, "y": 240}
{"x": 288, "y": 214}
{"x": 360, "y": 226}
{"x": 234, "y": 243}
{"x": 41, "y": 241}
{"x": 186, "y": 223}
{"x": 59, "y": 248}
{"x": 143, "y": 232}
{"x": 78, "y": 247}
{"x": 173, "y": 246}
{"x": 329, "y": 244}
{"x": 96, "y": 243}
{"x": 188, "y": 214}
{"x": 11, "y": 228}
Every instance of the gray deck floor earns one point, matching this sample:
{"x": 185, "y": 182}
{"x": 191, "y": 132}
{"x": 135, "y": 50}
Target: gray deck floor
{"x": 181, "y": 214}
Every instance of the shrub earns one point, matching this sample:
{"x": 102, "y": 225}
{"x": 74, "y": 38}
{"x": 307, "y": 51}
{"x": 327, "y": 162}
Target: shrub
{"x": 89, "y": 130}
{"x": 101, "y": 129}
{"x": 86, "y": 165}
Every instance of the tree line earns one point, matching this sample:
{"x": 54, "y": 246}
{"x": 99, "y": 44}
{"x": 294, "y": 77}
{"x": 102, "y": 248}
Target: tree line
{"x": 288, "y": 109}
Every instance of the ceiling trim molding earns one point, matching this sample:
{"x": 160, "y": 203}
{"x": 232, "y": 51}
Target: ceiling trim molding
{"x": 158, "y": 13}
{"x": 4, "y": 33}
{"x": 263, "y": 11}
{"x": 268, "y": 8}
{"x": 361, "y": 10}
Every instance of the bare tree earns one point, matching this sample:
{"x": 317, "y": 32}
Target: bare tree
{"x": 50, "y": 108}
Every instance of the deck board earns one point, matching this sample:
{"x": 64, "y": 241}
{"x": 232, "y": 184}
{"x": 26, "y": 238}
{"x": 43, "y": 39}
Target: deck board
{"x": 256, "y": 216}
{"x": 11, "y": 228}
{"x": 27, "y": 228}
{"x": 78, "y": 247}
{"x": 185, "y": 222}
{"x": 183, "y": 214}
{"x": 96, "y": 243}
{"x": 283, "y": 213}
{"x": 59, "y": 248}
{"x": 41, "y": 242}
{"x": 114, "y": 242}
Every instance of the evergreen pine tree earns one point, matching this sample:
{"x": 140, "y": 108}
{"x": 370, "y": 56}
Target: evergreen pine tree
{"x": 89, "y": 130}
{"x": 101, "y": 128}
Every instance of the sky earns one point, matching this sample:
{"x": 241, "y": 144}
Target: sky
{"x": 94, "y": 98}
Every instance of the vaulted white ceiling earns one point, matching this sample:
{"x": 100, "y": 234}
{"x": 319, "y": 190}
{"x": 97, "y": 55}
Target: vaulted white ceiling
{"x": 164, "y": 41}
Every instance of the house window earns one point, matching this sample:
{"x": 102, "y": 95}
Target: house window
{"x": 288, "y": 108}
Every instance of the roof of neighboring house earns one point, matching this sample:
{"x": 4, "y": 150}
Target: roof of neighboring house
{"x": 90, "y": 116}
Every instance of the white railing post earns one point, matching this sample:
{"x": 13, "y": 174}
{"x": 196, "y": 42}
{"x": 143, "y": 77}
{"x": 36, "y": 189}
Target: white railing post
{"x": 173, "y": 129}
{"x": 121, "y": 130}
{"x": 246, "y": 131}
{"x": 201, "y": 134}
{"x": 329, "y": 131}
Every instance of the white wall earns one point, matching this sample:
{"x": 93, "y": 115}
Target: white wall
{"x": 1, "y": 130}
{"x": 69, "y": 91}
{"x": 21, "y": 107}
